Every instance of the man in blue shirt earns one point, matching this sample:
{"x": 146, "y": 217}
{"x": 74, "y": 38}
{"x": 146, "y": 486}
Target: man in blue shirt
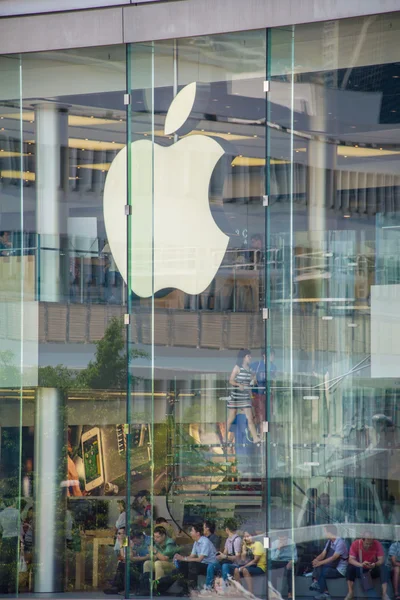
{"x": 331, "y": 563}
{"x": 203, "y": 553}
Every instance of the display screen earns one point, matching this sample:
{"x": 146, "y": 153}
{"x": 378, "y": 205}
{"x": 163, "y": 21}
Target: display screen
{"x": 91, "y": 455}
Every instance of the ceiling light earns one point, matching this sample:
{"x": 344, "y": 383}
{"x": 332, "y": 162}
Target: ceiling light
{"x": 347, "y": 216}
{"x": 18, "y": 175}
{"x": 350, "y": 151}
{"x": 96, "y": 166}
{"x": 248, "y": 161}
{"x": 93, "y": 144}
{"x": 80, "y": 121}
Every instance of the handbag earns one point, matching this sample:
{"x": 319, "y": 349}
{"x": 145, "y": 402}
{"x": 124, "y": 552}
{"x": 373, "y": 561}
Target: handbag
{"x": 366, "y": 579}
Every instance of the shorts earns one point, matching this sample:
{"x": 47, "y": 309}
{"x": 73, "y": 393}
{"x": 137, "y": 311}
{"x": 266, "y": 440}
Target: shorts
{"x": 253, "y": 570}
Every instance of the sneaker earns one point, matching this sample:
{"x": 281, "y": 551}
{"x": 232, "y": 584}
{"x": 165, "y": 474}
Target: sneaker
{"x": 324, "y": 596}
{"x": 350, "y": 596}
{"x": 206, "y": 591}
{"x": 314, "y": 587}
{"x": 385, "y": 597}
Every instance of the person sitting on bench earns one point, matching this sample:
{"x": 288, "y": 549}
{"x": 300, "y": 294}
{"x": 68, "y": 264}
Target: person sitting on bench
{"x": 394, "y": 565}
{"x": 253, "y": 557}
{"x": 283, "y": 555}
{"x": 203, "y": 553}
{"x": 366, "y": 558}
{"x": 331, "y": 563}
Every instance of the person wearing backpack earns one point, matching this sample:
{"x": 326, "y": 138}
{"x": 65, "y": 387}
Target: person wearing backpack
{"x": 227, "y": 560}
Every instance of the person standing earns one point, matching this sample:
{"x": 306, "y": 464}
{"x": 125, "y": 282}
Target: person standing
{"x": 366, "y": 557}
{"x": 241, "y": 380}
{"x": 11, "y": 533}
{"x": 331, "y": 563}
{"x": 259, "y": 391}
{"x": 120, "y": 524}
{"x": 203, "y": 553}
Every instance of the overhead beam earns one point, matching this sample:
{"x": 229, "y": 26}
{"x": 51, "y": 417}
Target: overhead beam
{"x": 165, "y": 20}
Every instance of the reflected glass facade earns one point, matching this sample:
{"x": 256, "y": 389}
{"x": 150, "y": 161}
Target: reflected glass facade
{"x": 199, "y": 313}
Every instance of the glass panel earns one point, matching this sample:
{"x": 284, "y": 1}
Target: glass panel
{"x": 18, "y": 349}
{"x": 72, "y": 444}
{"x": 280, "y": 286}
{"x": 143, "y": 391}
{"x": 207, "y": 119}
{"x": 336, "y": 106}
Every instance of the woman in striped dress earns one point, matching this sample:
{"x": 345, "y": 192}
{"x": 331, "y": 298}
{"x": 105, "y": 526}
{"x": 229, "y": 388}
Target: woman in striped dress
{"x": 241, "y": 380}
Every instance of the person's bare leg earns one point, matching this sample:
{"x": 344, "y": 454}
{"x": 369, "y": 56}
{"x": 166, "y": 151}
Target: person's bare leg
{"x": 396, "y": 573}
{"x": 350, "y": 585}
{"x": 231, "y": 417}
{"x": 384, "y": 589}
{"x": 249, "y": 414}
{"x": 248, "y": 580}
{"x": 236, "y": 575}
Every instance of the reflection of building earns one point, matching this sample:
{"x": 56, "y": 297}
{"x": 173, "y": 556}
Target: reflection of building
{"x": 105, "y": 394}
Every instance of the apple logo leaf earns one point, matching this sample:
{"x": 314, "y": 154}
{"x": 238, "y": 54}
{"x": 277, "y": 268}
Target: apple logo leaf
{"x": 180, "y": 108}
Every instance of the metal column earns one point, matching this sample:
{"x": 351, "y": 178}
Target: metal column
{"x": 49, "y": 490}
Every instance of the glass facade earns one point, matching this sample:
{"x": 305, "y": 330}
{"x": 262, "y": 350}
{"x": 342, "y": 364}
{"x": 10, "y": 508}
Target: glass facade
{"x": 198, "y": 320}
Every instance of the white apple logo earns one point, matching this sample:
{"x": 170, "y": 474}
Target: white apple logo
{"x": 171, "y": 225}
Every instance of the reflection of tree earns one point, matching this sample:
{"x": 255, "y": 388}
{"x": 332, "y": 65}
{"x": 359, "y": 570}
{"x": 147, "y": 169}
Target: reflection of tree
{"x": 108, "y": 370}
{"x": 8, "y": 370}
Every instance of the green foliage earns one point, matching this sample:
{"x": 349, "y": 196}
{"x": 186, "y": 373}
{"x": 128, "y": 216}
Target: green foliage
{"x": 59, "y": 377}
{"x": 8, "y": 371}
{"x": 108, "y": 370}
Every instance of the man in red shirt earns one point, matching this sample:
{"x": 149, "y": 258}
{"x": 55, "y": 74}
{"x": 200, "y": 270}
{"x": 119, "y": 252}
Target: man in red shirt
{"x": 367, "y": 556}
